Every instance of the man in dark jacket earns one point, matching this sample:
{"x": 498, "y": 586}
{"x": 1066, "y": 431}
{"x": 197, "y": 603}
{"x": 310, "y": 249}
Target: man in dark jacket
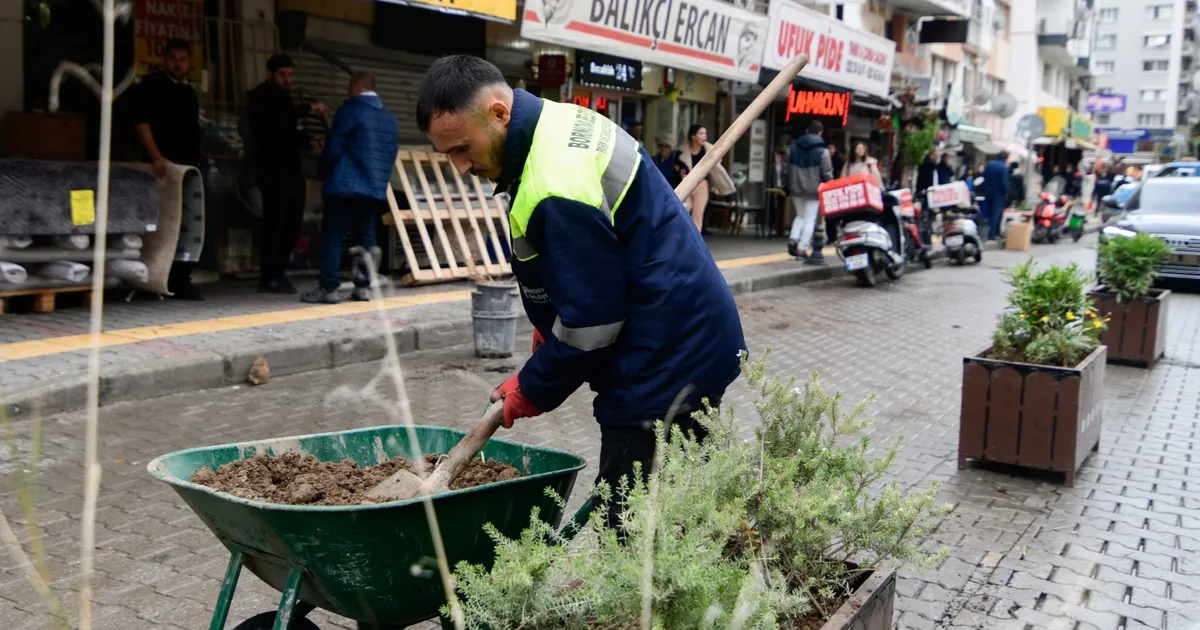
{"x": 809, "y": 166}
{"x": 616, "y": 279}
{"x": 995, "y": 177}
{"x": 278, "y": 148}
{"x": 945, "y": 172}
{"x": 927, "y": 172}
{"x": 356, "y": 165}
{"x": 667, "y": 161}
{"x": 167, "y": 121}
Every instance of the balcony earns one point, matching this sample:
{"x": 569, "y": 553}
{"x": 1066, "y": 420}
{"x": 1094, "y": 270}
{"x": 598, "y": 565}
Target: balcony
{"x": 1060, "y": 42}
{"x": 933, "y": 8}
{"x": 1188, "y": 50}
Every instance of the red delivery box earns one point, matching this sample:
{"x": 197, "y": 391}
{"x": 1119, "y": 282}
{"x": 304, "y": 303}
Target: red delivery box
{"x": 904, "y": 202}
{"x": 857, "y": 192}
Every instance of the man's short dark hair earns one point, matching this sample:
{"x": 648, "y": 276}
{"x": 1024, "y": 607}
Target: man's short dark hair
{"x": 364, "y": 80}
{"x": 451, "y": 85}
{"x": 1003, "y": 157}
{"x": 279, "y": 61}
{"x": 815, "y": 127}
{"x": 177, "y": 44}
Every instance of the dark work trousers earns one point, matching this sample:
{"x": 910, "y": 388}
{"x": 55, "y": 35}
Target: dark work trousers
{"x": 283, "y": 212}
{"x": 620, "y": 447}
{"x": 343, "y": 214}
{"x": 995, "y": 212}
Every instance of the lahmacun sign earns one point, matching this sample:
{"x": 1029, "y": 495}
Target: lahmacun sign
{"x": 837, "y": 54}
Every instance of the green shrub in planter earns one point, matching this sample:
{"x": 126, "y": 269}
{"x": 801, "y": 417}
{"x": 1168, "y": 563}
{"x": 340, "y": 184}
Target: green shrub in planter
{"x": 1050, "y": 320}
{"x": 1128, "y": 265}
{"x": 730, "y": 533}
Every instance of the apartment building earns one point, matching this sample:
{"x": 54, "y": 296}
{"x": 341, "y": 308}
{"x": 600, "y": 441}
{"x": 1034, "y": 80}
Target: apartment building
{"x": 1143, "y": 66}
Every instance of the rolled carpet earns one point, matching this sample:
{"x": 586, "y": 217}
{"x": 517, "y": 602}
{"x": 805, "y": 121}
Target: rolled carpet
{"x": 12, "y": 273}
{"x": 64, "y": 270}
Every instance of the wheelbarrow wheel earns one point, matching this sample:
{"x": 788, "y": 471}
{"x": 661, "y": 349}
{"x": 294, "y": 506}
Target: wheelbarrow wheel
{"x": 266, "y": 621}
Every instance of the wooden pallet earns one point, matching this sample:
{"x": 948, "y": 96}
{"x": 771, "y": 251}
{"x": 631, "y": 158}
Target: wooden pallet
{"x": 476, "y": 220}
{"x": 44, "y": 297}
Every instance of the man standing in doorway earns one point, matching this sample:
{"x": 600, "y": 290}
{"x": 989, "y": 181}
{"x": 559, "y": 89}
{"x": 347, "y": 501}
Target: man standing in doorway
{"x": 167, "y": 121}
{"x": 995, "y": 178}
{"x": 278, "y": 146}
{"x": 809, "y": 166}
{"x": 356, "y": 165}
{"x": 620, "y": 287}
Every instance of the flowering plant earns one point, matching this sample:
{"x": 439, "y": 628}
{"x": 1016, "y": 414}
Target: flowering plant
{"x": 1049, "y": 320}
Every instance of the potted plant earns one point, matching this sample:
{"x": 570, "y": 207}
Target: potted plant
{"x": 1033, "y": 398}
{"x": 779, "y": 531}
{"x": 1127, "y": 266}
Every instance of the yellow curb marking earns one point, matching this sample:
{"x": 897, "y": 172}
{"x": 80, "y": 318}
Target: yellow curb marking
{"x": 126, "y": 336}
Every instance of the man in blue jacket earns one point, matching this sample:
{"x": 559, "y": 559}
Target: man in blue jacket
{"x": 995, "y": 180}
{"x": 614, "y": 276}
{"x": 356, "y": 164}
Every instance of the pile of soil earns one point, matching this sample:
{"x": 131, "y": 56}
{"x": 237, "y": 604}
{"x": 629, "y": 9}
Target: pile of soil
{"x": 301, "y": 479}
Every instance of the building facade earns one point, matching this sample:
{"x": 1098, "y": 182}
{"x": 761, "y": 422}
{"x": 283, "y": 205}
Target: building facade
{"x": 1143, "y": 67}
{"x": 1051, "y": 44}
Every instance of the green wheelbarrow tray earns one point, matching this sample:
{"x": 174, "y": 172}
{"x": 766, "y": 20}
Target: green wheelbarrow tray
{"x": 372, "y": 563}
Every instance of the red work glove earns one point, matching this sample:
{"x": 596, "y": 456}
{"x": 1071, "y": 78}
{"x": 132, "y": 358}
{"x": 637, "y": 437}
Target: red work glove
{"x": 538, "y": 340}
{"x": 516, "y": 405}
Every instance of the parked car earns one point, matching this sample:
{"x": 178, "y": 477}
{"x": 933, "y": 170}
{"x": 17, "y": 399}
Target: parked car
{"x": 1183, "y": 168}
{"x": 1169, "y": 208}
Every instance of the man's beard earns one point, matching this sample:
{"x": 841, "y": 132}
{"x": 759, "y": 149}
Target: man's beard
{"x": 495, "y": 153}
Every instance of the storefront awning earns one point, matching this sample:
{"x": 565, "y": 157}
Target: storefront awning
{"x": 1082, "y": 145}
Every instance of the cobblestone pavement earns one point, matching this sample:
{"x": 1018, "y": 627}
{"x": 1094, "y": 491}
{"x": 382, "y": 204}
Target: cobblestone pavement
{"x": 1119, "y": 551}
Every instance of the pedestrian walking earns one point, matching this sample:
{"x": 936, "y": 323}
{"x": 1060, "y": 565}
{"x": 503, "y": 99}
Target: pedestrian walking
{"x": 717, "y": 184}
{"x": 945, "y": 172}
{"x": 862, "y": 163}
{"x": 835, "y": 157}
{"x": 278, "y": 147}
{"x": 167, "y": 122}
{"x": 927, "y": 172}
{"x": 995, "y": 177}
{"x": 620, "y": 287}
{"x": 356, "y": 166}
{"x": 809, "y": 166}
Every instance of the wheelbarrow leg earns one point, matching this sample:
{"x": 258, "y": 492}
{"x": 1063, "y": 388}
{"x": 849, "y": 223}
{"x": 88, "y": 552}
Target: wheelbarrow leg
{"x": 233, "y": 570}
{"x": 288, "y": 602}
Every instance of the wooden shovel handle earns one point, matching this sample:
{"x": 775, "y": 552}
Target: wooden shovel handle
{"x": 466, "y": 449}
{"x": 723, "y": 144}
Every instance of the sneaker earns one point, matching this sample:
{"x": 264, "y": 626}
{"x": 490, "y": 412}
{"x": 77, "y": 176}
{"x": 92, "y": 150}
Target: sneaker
{"x": 793, "y": 248}
{"x": 280, "y": 285}
{"x": 361, "y": 294}
{"x": 321, "y": 296}
{"x": 802, "y": 256}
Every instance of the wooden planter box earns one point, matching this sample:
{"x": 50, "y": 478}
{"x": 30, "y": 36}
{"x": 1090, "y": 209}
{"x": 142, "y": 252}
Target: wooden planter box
{"x": 1137, "y": 330}
{"x": 870, "y": 607}
{"x": 1035, "y": 416}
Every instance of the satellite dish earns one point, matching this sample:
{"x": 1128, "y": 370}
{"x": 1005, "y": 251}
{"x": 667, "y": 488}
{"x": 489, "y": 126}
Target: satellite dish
{"x": 1005, "y": 105}
{"x": 1031, "y": 126}
{"x": 982, "y": 97}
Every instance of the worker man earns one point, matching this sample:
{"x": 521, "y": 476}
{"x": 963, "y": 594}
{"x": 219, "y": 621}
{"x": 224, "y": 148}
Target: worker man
{"x": 620, "y": 287}
{"x": 167, "y": 121}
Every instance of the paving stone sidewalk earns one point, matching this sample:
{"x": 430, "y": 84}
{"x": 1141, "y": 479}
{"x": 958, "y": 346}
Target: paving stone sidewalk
{"x": 1118, "y": 551}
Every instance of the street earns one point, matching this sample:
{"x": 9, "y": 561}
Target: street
{"x": 1118, "y": 551}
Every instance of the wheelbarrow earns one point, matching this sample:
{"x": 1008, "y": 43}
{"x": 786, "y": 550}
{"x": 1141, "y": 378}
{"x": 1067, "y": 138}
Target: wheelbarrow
{"x": 374, "y": 564}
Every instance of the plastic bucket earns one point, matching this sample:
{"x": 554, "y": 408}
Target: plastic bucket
{"x": 494, "y": 313}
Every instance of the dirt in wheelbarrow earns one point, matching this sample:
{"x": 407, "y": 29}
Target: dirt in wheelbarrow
{"x": 301, "y": 479}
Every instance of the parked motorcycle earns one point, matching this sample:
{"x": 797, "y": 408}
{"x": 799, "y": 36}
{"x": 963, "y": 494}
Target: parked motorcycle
{"x": 866, "y": 227}
{"x": 918, "y": 228}
{"x": 1078, "y": 217}
{"x": 1049, "y": 218}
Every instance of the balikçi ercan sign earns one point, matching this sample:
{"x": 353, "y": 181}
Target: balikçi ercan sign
{"x": 704, "y": 36}
{"x": 837, "y": 54}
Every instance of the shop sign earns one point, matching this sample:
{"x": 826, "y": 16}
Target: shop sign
{"x": 758, "y": 152}
{"x": 1114, "y": 103}
{"x": 837, "y": 54}
{"x": 1081, "y": 128}
{"x": 705, "y": 36}
{"x": 156, "y": 21}
{"x": 504, "y": 9}
{"x": 608, "y": 71}
{"x": 1125, "y": 134}
{"x": 972, "y": 134}
{"x": 552, "y": 70}
{"x": 821, "y": 104}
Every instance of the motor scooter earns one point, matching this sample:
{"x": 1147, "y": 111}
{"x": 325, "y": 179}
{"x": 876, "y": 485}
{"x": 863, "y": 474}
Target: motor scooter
{"x": 866, "y": 227}
{"x": 960, "y": 234}
{"x": 917, "y": 231}
{"x": 1049, "y": 218}
{"x": 1078, "y": 218}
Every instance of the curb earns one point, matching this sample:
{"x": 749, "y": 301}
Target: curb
{"x": 145, "y": 382}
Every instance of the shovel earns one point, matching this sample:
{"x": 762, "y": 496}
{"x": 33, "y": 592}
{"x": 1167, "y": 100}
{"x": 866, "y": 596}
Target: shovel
{"x": 404, "y": 484}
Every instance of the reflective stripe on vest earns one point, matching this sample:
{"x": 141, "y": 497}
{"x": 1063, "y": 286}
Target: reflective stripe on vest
{"x": 589, "y": 337}
{"x": 576, "y": 154}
